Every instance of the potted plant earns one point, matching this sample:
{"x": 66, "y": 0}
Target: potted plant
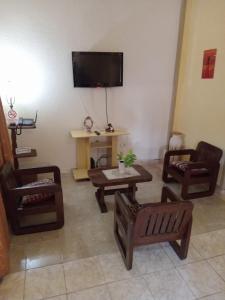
{"x": 126, "y": 160}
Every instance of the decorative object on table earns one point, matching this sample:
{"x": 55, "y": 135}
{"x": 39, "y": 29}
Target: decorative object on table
{"x": 176, "y": 141}
{"x": 152, "y": 223}
{"x": 109, "y": 128}
{"x": 202, "y": 168}
{"x": 128, "y": 158}
{"x": 88, "y": 123}
{"x": 12, "y": 114}
{"x": 121, "y": 167}
{"x": 21, "y": 150}
{"x": 116, "y": 174}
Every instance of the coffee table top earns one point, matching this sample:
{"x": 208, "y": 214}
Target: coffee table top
{"x": 98, "y": 178}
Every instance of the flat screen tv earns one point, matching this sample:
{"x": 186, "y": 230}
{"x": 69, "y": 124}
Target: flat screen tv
{"x": 97, "y": 69}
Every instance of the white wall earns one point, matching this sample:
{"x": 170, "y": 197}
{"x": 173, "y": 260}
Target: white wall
{"x": 36, "y": 40}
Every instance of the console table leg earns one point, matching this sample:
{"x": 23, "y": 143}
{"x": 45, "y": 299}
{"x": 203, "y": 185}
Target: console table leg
{"x": 101, "y": 201}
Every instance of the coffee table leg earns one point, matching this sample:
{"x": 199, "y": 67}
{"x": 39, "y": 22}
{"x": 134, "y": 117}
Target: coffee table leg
{"x": 101, "y": 201}
{"x": 131, "y": 192}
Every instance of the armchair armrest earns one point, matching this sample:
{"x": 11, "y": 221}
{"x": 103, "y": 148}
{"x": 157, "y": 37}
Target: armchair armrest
{"x": 22, "y": 191}
{"x": 40, "y": 170}
{"x": 168, "y": 194}
{"x": 120, "y": 202}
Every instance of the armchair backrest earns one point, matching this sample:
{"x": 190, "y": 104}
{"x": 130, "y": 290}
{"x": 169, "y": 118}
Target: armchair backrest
{"x": 8, "y": 181}
{"x": 208, "y": 152}
{"x": 162, "y": 221}
{"x": 7, "y": 177}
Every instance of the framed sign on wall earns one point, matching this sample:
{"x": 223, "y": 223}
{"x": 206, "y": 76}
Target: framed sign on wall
{"x": 209, "y": 60}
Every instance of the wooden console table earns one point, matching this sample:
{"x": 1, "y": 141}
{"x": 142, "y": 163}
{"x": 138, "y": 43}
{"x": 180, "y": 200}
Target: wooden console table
{"x": 84, "y": 145}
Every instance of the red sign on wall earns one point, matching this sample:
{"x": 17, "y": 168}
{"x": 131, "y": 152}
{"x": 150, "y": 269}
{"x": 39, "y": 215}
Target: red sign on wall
{"x": 209, "y": 60}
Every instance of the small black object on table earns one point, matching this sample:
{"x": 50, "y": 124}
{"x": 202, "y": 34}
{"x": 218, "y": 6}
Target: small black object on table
{"x": 100, "y": 181}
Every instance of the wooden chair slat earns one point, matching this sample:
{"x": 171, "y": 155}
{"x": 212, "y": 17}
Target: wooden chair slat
{"x": 179, "y": 220}
{"x": 158, "y": 224}
{"x": 165, "y": 223}
{"x": 151, "y": 225}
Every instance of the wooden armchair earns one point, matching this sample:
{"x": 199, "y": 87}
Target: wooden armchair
{"x": 136, "y": 225}
{"x": 36, "y": 198}
{"x": 202, "y": 168}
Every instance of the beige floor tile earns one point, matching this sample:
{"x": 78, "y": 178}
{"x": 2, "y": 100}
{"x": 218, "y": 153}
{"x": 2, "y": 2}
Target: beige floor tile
{"x": 218, "y": 264}
{"x": 97, "y": 293}
{"x": 45, "y": 236}
{"x": 12, "y": 286}
{"x": 193, "y": 255}
{"x": 210, "y": 244}
{"x": 63, "y": 297}
{"x": 82, "y": 274}
{"x": 208, "y": 214}
{"x": 19, "y": 239}
{"x": 17, "y": 258}
{"x": 73, "y": 246}
{"x": 43, "y": 253}
{"x": 219, "y": 296}
{"x": 90, "y": 238}
{"x": 201, "y": 279}
{"x": 44, "y": 282}
{"x": 168, "y": 285}
{"x": 131, "y": 289}
{"x": 151, "y": 258}
{"x": 114, "y": 268}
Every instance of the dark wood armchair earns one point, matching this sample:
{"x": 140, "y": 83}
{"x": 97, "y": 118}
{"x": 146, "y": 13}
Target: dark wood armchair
{"x": 35, "y": 198}
{"x": 202, "y": 168}
{"x": 136, "y": 225}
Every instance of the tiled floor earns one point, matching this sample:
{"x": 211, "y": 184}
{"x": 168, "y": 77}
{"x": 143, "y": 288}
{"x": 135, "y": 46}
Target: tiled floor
{"x": 81, "y": 261}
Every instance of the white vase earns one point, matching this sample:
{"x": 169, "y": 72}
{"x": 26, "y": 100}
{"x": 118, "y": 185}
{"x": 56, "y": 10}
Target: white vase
{"x": 176, "y": 141}
{"x": 122, "y": 168}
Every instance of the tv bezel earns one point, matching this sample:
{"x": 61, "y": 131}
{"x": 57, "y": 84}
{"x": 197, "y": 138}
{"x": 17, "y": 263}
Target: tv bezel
{"x": 97, "y": 84}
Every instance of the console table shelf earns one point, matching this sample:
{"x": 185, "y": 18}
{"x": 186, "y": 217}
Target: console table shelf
{"x": 17, "y": 130}
{"x": 84, "y": 147}
{"x": 32, "y": 153}
{"x": 98, "y": 145}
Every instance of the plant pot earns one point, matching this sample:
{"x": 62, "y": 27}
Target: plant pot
{"x": 122, "y": 169}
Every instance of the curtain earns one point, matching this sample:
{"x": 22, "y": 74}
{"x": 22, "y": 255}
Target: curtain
{"x": 5, "y": 155}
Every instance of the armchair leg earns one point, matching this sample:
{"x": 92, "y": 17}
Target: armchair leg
{"x": 129, "y": 257}
{"x": 182, "y": 249}
{"x": 184, "y": 191}
{"x": 59, "y": 210}
{"x": 125, "y": 247}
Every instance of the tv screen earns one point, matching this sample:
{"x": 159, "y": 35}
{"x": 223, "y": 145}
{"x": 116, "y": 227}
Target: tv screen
{"x": 97, "y": 69}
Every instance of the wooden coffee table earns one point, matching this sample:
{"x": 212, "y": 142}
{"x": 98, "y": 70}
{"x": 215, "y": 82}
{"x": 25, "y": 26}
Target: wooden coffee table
{"x": 99, "y": 180}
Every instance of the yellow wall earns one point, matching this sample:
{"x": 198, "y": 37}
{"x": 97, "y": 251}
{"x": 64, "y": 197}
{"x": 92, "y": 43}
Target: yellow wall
{"x": 200, "y": 103}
